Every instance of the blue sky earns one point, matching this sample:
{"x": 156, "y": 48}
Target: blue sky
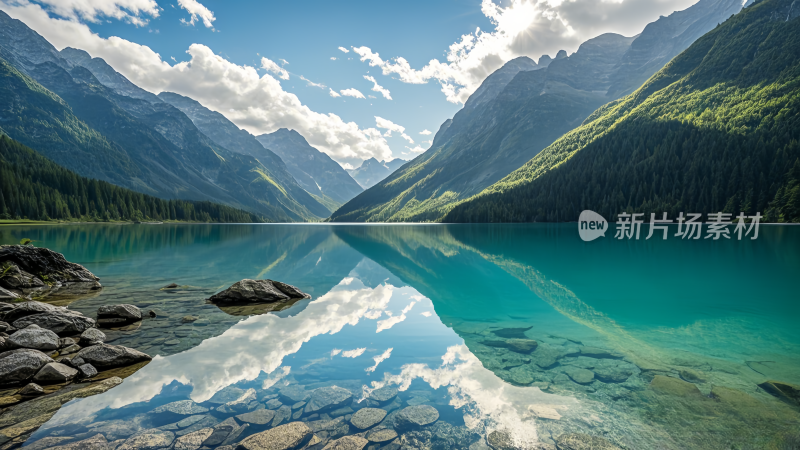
{"x": 268, "y": 64}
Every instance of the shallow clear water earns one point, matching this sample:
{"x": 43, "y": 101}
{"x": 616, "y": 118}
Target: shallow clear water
{"x": 434, "y": 310}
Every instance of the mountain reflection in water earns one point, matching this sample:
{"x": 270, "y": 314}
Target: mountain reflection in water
{"x": 522, "y": 329}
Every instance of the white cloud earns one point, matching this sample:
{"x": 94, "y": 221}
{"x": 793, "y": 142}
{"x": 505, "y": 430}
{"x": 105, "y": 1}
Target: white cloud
{"x": 273, "y": 67}
{"x": 426, "y": 314}
{"x": 373, "y": 314}
{"x": 355, "y": 353}
{"x": 391, "y": 126}
{"x": 253, "y": 102}
{"x": 334, "y": 94}
{"x": 344, "y": 49}
{"x": 94, "y": 10}
{"x": 394, "y": 320}
{"x": 311, "y": 83}
{"x": 379, "y": 88}
{"x": 425, "y": 132}
{"x": 335, "y": 352}
{"x": 352, "y": 93}
{"x": 379, "y": 359}
{"x": 197, "y": 11}
{"x": 416, "y": 149}
{"x": 333, "y": 58}
{"x": 523, "y": 28}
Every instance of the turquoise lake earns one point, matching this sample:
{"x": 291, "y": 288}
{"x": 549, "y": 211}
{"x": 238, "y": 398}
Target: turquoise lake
{"x": 646, "y": 343}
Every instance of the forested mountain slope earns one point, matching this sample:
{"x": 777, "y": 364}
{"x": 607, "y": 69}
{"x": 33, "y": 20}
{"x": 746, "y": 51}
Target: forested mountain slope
{"x": 718, "y": 129}
{"x": 34, "y": 187}
{"x": 494, "y": 135}
{"x": 159, "y": 147}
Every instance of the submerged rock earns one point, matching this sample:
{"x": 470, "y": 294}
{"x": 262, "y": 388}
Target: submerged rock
{"x": 107, "y": 356}
{"x": 192, "y": 441}
{"x": 294, "y": 393}
{"x": 96, "y": 442}
{"x": 129, "y": 313}
{"x": 367, "y": 417}
{"x": 327, "y": 398}
{"x": 249, "y": 291}
{"x": 183, "y": 407}
{"x": 580, "y": 441}
{"x": 34, "y": 337}
{"x": 285, "y": 437}
{"x": 381, "y": 435}
{"x": 580, "y": 376}
{"x": 384, "y": 394}
{"x": 785, "y": 392}
{"x": 20, "y": 365}
{"x": 414, "y": 417}
{"x": 221, "y": 432}
{"x": 282, "y": 414}
{"x": 150, "y": 439}
{"x": 674, "y": 386}
{"x": 347, "y": 443}
{"x": 259, "y": 417}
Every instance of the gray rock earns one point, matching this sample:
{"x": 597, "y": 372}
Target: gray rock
{"x": 595, "y": 352}
{"x": 23, "y": 309}
{"x": 580, "y": 376}
{"x": 383, "y": 394}
{"x": 71, "y": 349}
{"x": 545, "y": 356}
{"x": 282, "y": 414}
{"x": 128, "y": 312}
{"x": 112, "y": 322}
{"x": 285, "y": 437}
{"x": 414, "y": 417}
{"x": 92, "y": 336}
{"x": 259, "y": 417}
{"x": 183, "y": 407}
{"x": 221, "y": 432}
{"x": 151, "y": 439}
{"x": 191, "y": 420}
{"x": 21, "y": 365}
{"x": 86, "y": 371}
{"x": 16, "y": 278}
{"x": 381, "y": 435}
{"x": 45, "y": 262}
{"x": 298, "y": 405}
{"x": 96, "y": 442}
{"x": 347, "y": 443}
{"x": 580, "y": 441}
{"x": 341, "y": 412}
{"x": 105, "y": 356}
{"x": 225, "y": 395}
{"x": 234, "y": 436}
{"x": 327, "y": 398}
{"x": 240, "y": 404}
{"x": 614, "y": 371}
{"x": 76, "y": 362}
{"x": 34, "y": 337}
{"x": 7, "y": 296}
{"x": 4, "y": 326}
{"x": 192, "y": 441}
{"x": 249, "y": 291}
{"x": 294, "y": 393}
{"x": 31, "y": 389}
{"x": 274, "y": 404}
{"x": 54, "y": 372}
{"x": 289, "y": 290}
{"x": 60, "y": 322}
{"x": 367, "y": 417}
{"x": 66, "y": 342}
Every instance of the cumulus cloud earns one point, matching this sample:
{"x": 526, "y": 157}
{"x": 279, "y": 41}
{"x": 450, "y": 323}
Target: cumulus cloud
{"x": 425, "y": 132}
{"x": 355, "y": 353}
{"x": 390, "y": 126}
{"x": 379, "y": 359}
{"x": 253, "y": 102}
{"x": 378, "y": 88}
{"x": 523, "y": 28}
{"x": 334, "y": 94}
{"x": 197, "y": 11}
{"x": 132, "y": 11}
{"x": 311, "y": 83}
{"x": 394, "y": 320}
{"x": 426, "y": 314}
{"x": 273, "y": 67}
{"x": 416, "y": 149}
{"x": 344, "y": 49}
{"x": 333, "y": 58}
{"x": 355, "y": 93}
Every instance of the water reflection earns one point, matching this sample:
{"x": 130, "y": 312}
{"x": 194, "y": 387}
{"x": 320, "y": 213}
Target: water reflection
{"x": 520, "y": 329}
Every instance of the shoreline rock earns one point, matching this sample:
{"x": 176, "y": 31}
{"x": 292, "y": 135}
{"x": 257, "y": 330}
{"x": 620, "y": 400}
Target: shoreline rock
{"x": 258, "y": 291}
{"x": 29, "y": 269}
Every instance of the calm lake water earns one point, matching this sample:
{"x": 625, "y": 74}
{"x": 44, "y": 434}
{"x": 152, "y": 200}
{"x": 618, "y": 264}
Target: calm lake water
{"x": 648, "y": 344}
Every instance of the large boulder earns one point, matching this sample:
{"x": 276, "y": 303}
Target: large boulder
{"x": 21, "y": 365}
{"x": 415, "y": 417}
{"x": 285, "y": 437}
{"x": 19, "y": 310}
{"x": 54, "y": 372}
{"x": 46, "y": 263}
{"x": 18, "y": 279}
{"x": 106, "y": 356}
{"x": 62, "y": 322}
{"x": 129, "y": 313}
{"x": 327, "y": 398}
{"x": 254, "y": 291}
{"x": 34, "y": 337}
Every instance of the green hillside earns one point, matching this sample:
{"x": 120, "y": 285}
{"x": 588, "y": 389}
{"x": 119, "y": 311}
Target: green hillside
{"x": 34, "y": 187}
{"x": 718, "y": 129}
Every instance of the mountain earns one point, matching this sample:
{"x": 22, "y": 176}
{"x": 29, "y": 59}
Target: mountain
{"x": 34, "y": 187}
{"x": 716, "y": 130}
{"x": 137, "y": 142}
{"x": 499, "y": 129}
{"x": 315, "y": 171}
{"x": 372, "y": 171}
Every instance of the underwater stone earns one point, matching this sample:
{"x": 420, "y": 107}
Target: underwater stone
{"x": 259, "y": 417}
{"x": 327, "y": 398}
{"x": 282, "y": 414}
{"x": 595, "y": 352}
{"x": 580, "y": 441}
{"x": 96, "y": 442}
{"x": 367, "y": 417}
{"x": 274, "y": 404}
{"x": 128, "y": 312}
{"x": 148, "y": 440}
{"x": 285, "y": 437}
{"x": 192, "y": 441}
{"x": 183, "y": 407}
{"x": 294, "y": 393}
{"x": 347, "y": 443}
{"x": 383, "y": 394}
{"x": 785, "y": 392}
{"x": 415, "y": 417}
{"x": 674, "y": 386}
{"x": 580, "y": 376}
{"x": 381, "y": 435}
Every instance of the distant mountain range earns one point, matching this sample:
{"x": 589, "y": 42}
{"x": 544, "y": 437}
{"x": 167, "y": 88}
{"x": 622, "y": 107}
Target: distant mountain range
{"x": 315, "y": 171}
{"x": 524, "y": 107}
{"x": 372, "y": 171}
{"x": 716, "y": 130}
{"x": 88, "y": 118}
